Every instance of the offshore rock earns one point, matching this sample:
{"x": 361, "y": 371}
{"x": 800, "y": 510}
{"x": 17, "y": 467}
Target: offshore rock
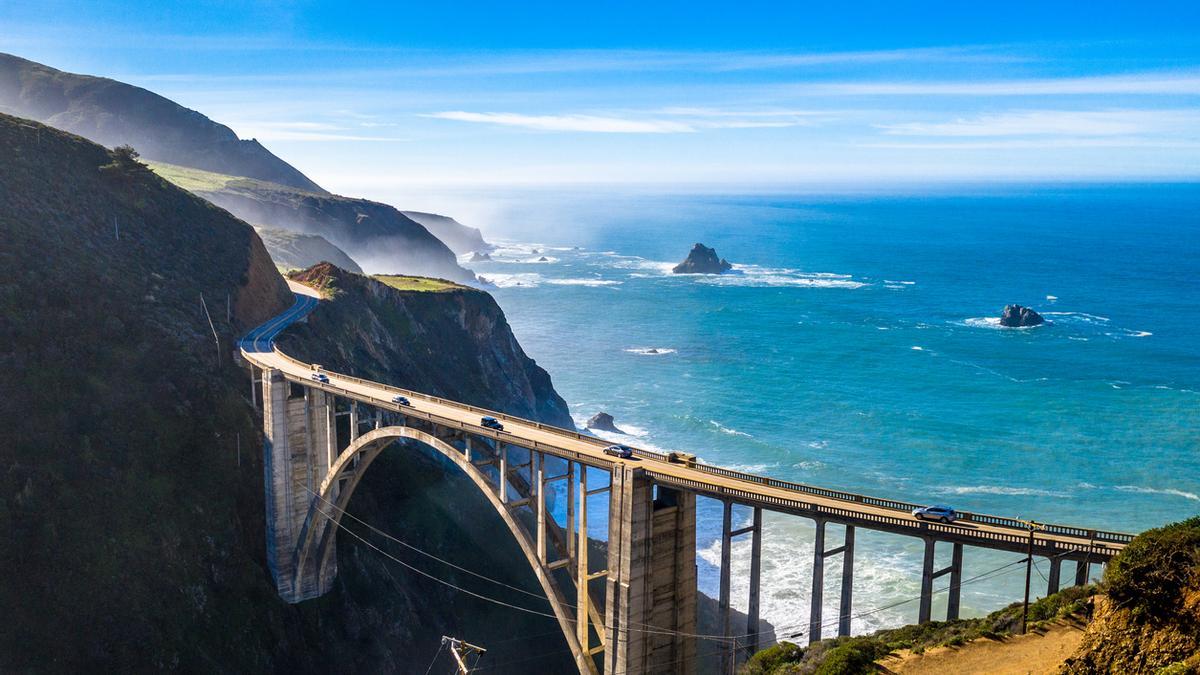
{"x": 702, "y": 260}
{"x": 480, "y": 256}
{"x": 604, "y": 422}
{"x": 1016, "y": 316}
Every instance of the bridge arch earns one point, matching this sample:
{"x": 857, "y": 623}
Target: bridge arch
{"x": 315, "y": 556}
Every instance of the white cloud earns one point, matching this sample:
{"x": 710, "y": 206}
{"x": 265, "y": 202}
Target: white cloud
{"x": 1056, "y": 123}
{"x": 1179, "y": 83}
{"x": 667, "y": 121}
{"x": 302, "y": 131}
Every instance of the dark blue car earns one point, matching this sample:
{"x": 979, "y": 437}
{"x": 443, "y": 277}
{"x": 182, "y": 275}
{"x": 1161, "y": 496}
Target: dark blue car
{"x": 400, "y": 400}
{"x": 491, "y": 423}
{"x": 940, "y": 513}
{"x": 622, "y": 451}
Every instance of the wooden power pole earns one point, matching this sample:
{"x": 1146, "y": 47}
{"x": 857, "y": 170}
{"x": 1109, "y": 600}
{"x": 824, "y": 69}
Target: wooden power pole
{"x": 461, "y": 650}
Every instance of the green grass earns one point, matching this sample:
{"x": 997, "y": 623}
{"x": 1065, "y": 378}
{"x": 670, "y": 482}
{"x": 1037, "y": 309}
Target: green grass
{"x": 421, "y": 284}
{"x": 192, "y": 179}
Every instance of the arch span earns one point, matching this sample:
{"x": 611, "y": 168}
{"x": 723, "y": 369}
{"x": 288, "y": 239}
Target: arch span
{"x": 316, "y": 561}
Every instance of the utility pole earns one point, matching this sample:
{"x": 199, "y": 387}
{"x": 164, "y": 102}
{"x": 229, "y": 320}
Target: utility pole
{"x": 460, "y": 650}
{"x": 1033, "y": 527}
{"x": 216, "y": 339}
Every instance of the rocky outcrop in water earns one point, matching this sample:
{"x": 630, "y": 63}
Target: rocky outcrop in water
{"x": 603, "y": 422}
{"x": 1016, "y": 316}
{"x": 702, "y": 260}
{"x": 479, "y": 256}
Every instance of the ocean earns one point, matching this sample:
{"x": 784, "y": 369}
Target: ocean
{"x": 856, "y": 346}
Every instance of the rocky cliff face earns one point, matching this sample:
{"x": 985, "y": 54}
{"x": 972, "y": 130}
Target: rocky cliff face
{"x": 460, "y": 238}
{"x": 1148, "y": 621}
{"x": 453, "y": 342}
{"x": 114, "y": 113}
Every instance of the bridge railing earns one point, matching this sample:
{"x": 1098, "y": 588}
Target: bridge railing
{"x": 896, "y": 505}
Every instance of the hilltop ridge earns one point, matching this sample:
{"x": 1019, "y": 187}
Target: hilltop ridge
{"x": 114, "y": 113}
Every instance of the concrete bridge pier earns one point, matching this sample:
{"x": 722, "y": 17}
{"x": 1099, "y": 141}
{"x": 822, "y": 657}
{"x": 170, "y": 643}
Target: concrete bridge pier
{"x": 928, "y": 575}
{"x": 1082, "y": 568}
{"x": 650, "y": 591}
{"x": 818, "y": 584}
{"x": 300, "y": 446}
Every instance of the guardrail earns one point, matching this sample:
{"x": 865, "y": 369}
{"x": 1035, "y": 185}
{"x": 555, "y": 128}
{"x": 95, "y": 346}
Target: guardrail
{"x": 1120, "y": 538}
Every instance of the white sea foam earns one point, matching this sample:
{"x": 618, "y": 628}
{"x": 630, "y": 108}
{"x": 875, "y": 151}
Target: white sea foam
{"x": 525, "y": 280}
{"x": 997, "y": 490}
{"x": 1052, "y": 298}
{"x": 1160, "y": 491}
{"x": 650, "y": 351}
{"x": 809, "y": 465}
{"x": 991, "y": 322}
{"x": 1079, "y": 316}
{"x": 899, "y": 283}
{"x": 1138, "y": 333}
{"x": 728, "y": 430}
{"x": 540, "y": 260}
{"x": 584, "y": 282}
{"x": 917, "y": 348}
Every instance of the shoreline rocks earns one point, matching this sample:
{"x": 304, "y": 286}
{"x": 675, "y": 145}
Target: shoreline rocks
{"x": 480, "y": 256}
{"x": 1016, "y": 316}
{"x": 702, "y": 260}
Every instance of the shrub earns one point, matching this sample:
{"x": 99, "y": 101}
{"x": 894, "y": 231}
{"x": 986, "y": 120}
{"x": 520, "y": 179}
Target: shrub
{"x": 848, "y": 659}
{"x": 1151, "y": 573}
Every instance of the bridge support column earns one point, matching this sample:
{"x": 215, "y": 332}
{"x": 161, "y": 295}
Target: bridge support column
{"x": 926, "y": 608}
{"x": 650, "y": 591}
{"x": 1055, "y": 575}
{"x": 954, "y": 599}
{"x": 727, "y": 650}
{"x": 353, "y": 420}
{"x": 1082, "y": 567}
{"x": 752, "y": 607}
{"x": 816, "y": 611}
{"x": 846, "y": 605}
{"x": 296, "y": 459}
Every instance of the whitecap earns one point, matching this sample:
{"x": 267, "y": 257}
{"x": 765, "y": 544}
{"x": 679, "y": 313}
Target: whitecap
{"x": 728, "y": 430}
{"x": 1138, "y": 333}
{"x": 916, "y": 348}
{"x": 1081, "y": 316}
{"x": 997, "y": 490}
{"x": 809, "y": 465}
{"x": 526, "y": 280}
{"x": 650, "y": 351}
{"x": 1159, "y": 491}
{"x": 583, "y": 282}
{"x": 1052, "y": 298}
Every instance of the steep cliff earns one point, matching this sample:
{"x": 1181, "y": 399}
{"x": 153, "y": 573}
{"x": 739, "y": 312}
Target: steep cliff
{"x": 113, "y": 113}
{"x": 460, "y": 238}
{"x": 1149, "y": 617}
{"x": 453, "y": 342}
{"x": 132, "y": 538}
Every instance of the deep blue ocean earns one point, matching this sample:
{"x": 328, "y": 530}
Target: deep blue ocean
{"x": 856, "y": 346}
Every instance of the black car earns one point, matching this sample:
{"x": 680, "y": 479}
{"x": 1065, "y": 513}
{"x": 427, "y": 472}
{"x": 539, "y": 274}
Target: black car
{"x": 491, "y": 423}
{"x": 622, "y": 451}
{"x": 400, "y": 399}
{"x": 321, "y": 377}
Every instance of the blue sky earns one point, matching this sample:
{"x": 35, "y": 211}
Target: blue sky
{"x": 368, "y": 98}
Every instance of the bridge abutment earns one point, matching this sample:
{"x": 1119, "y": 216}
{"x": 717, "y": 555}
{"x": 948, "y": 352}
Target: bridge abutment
{"x": 299, "y": 447}
{"x": 650, "y": 595}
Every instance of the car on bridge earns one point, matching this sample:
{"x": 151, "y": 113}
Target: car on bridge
{"x": 622, "y": 451}
{"x": 320, "y": 377}
{"x": 491, "y": 423}
{"x": 938, "y": 512}
{"x": 400, "y": 400}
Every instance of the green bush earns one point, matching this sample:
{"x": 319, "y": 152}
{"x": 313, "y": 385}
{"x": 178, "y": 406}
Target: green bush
{"x": 769, "y": 660}
{"x": 1151, "y": 573}
{"x": 848, "y": 659}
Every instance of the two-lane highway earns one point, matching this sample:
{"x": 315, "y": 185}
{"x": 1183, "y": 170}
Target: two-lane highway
{"x": 833, "y": 505}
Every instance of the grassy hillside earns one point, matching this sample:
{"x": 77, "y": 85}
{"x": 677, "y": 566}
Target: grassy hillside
{"x": 375, "y": 235}
{"x": 113, "y": 113}
{"x": 403, "y": 283}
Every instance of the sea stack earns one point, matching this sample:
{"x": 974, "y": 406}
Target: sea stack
{"x": 702, "y": 260}
{"x": 480, "y": 256}
{"x": 604, "y": 422}
{"x": 1016, "y": 316}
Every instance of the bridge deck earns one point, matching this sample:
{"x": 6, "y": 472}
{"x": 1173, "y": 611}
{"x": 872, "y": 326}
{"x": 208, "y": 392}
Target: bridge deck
{"x": 975, "y": 529}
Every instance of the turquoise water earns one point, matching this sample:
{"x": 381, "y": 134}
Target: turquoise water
{"x": 855, "y": 347}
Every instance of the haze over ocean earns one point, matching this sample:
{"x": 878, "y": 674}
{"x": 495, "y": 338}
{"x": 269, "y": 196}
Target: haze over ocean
{"x": 855, "y": 347}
